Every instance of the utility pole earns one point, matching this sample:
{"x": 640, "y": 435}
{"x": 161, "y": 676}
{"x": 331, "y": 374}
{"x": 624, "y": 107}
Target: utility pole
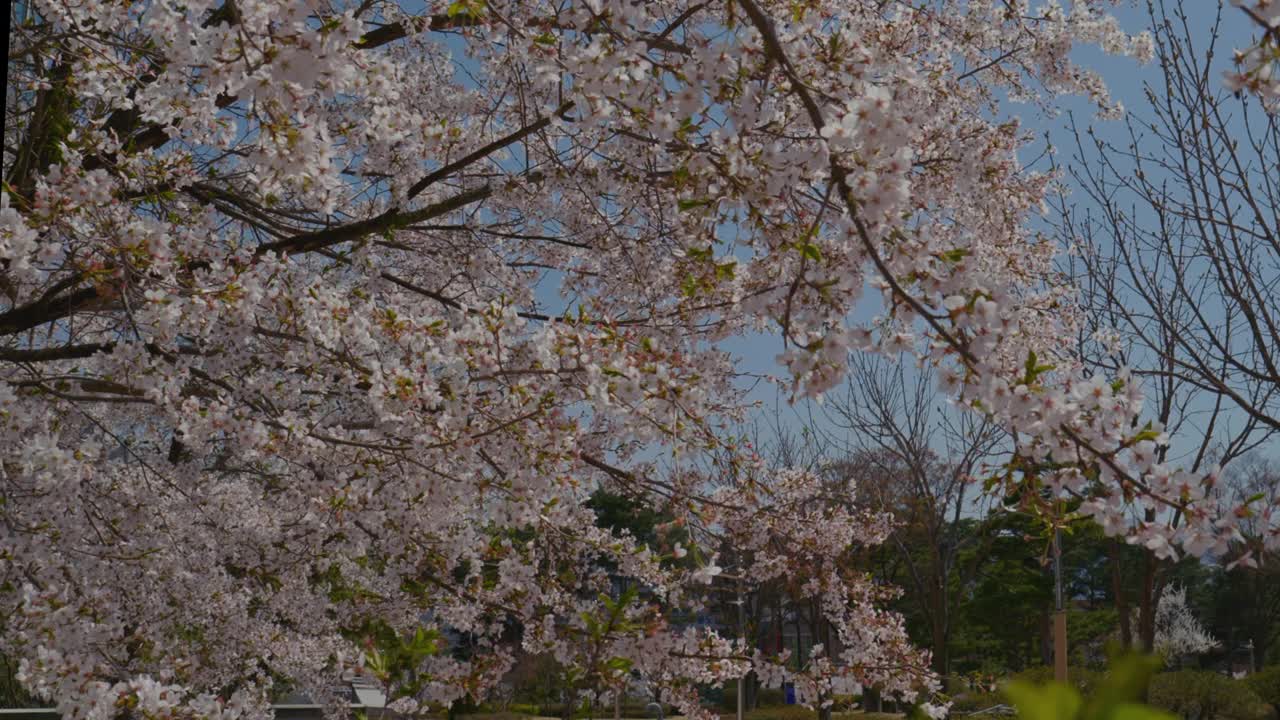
{"x": 1059, "y": 617}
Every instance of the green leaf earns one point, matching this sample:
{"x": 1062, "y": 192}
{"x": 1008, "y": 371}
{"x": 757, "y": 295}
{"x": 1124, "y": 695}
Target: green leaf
{"x": 545, "y": 38}
{"x": 1054, "y": 701}
{"x": 690, "y": 287}
{"x": 691, "y": 203}
{"x": 699, "y": 254}
{"x": 810, "y": 251}
{"x": 1033, "y": 369}
{"x": 466, "y": 8}
{"x": 1147, "y": 433}
{"x": 1124, "y": 683}
{"x": 619, "y": 664}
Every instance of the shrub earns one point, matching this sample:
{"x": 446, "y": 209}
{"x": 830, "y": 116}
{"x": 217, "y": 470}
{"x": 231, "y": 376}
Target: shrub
{"x": 728, "y": 696}
{"x": 955, "y": 683}
{"x": 766, "y": 697}
{"x": 630, "y": 709}
{"x": 972, "y": 702}
{"x": 1266, "y": 683}
{"x": 782, "y": 712}
{"x": 1203, "y": 695}
{"x": 1082, "y": 679}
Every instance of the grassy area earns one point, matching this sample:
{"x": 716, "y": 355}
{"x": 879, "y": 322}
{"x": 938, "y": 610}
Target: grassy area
{"x": 799, "y": 712}
{"x": 781, "y": 712}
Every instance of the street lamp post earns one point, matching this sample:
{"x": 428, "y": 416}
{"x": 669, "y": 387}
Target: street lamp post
{"x": 1060, "y": 617}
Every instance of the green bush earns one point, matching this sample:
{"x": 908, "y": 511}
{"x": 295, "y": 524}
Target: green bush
{"x": 524, "y": 709}
{"x": 955, "y": 683}
{"x": 1266, "y": 683}
{"x": 630, "y": 709}
{"x": 1203, "y": 695}
{"x": 1082, "y": 679}
{"x": 971, "y": 702}
{"x": 782, "y": 712}
{"x": 728, "y": 696}
{"x": 767, "y": 697}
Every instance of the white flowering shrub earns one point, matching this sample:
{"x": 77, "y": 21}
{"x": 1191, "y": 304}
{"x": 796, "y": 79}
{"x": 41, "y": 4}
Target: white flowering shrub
{"x": 1178, "y": 631}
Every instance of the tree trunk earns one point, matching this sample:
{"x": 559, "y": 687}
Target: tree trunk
{"x": 799, "y": 644}
{"x": 1147, "y": 605}
{"x": 1117, "y": 589}
{"x": 566, "y": 712}
{"x": 777, "y": 625}
{"x": 938, "y": 626}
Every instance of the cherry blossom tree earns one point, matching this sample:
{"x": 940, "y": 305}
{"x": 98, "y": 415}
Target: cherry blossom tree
{"x": 1256, "y": 66}
{"x": 322, "y": 320}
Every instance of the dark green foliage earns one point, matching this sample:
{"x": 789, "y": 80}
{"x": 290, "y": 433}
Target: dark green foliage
{"x": 1203, "y": 695}
{"x": 1266, "y": 683}
{"x": 12, "y": 695}
{"x": 1244, "y": 606}
{"x": 974, "y": 701}
{"x": 1002, "y": 616}
{"x": 535, "y": 681}
{"x": 770, "y": 696}
{"x": 619, "y": 512}
{"x": 1083, "y": 679}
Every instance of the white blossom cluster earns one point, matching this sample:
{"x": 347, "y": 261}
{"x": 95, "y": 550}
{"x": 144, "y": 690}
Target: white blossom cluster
{"x": 1258, "y": 67}
{"x": 1177, "y": 631}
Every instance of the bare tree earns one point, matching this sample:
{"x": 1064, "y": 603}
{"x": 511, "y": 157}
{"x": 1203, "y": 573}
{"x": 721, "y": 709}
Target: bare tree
{"x": 1179, "y": 262}
{"x": 915, "y": 457}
